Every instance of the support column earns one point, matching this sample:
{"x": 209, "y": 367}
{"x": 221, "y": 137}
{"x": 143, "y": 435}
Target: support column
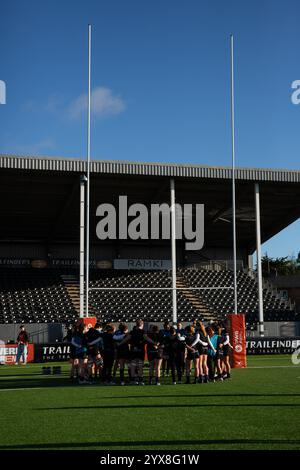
{"x": 173, "y": 249}
{"x": 250, "y": 263}
{"x": 258, "y": 251}
{"x": 81, "y": 245}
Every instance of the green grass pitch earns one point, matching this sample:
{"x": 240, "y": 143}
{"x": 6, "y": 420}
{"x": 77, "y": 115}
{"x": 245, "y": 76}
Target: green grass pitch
{"x": 258, "y": 409}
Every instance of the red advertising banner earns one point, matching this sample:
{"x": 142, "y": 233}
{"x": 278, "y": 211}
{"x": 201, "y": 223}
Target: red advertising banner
{"x": 90, "y": 321}
{"x": 8, "y": 353}
{"x": 237, "y": 333}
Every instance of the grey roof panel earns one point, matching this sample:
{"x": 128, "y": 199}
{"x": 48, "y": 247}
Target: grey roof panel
{"x": 147, "y": 169}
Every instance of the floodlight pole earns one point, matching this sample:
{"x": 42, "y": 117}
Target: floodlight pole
{"x": 233, "y": 177}
{"x": 259, "y": 269}
{"x": 87, "y": 262}
{"x": 81, "y": 246}
{"x": 173, "y": 250}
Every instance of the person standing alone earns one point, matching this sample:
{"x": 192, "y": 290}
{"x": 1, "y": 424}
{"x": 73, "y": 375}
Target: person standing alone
{"x": 22, "y": 341}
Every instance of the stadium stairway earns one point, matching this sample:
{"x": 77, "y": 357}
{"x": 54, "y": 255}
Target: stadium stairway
{"x": 52, "y": 295}
{"x": 205, "y": 312}
{"x": 220, "y": 301}
{"x": 72, "y": 286}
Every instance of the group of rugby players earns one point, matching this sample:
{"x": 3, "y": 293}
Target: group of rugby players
{"x": 98, "y": 352}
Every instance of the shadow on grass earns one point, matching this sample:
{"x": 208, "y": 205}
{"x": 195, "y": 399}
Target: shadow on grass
{"x": 177, "y": 405}
{"x": 63, "y": 380}
{"x": 28, "y": 375}
{"x": 38, "y": 381}
{"x": 200, "y": 395}
{"x": 161, "y": 443}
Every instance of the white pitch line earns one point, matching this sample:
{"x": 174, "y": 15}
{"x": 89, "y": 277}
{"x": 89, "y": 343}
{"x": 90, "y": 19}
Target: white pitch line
{"x": 13, "y": 389}
{"x": 12, "y": 377}
{"x": 267, "y": 367}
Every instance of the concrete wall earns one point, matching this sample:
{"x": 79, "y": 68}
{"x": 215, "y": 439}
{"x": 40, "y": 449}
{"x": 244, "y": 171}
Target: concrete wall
{"x": 53, "y": 332}
{"x": 38, "y": 332}
{"x": 112, "y": 251}
{"x": 278, "y": 329}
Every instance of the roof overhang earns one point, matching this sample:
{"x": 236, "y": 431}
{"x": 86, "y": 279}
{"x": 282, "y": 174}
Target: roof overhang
{"x": 40, "y": 196}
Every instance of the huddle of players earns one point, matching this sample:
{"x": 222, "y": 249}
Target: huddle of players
{"x": 101, "y": 350}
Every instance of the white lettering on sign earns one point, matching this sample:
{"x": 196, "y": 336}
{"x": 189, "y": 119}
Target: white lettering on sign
{"x": 147, "y": 264}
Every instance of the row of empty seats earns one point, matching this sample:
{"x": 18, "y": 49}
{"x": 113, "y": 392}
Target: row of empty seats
{"x": 155, "y": 305}
{"x": 40, "y": 295}
{"x": 217, "y": 299}
{"x": 220, "y": 295}
{"x": 34, "y": 296}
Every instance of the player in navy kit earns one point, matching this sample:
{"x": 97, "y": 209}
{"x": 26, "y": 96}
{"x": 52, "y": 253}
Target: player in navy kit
{"x": 123, "y": 352}
{"x": 218, "y": 358}
{"x": 137, "y": 339}
{"x": 192, "y": 354}
{"x": 202, "y": 343}
{"x": 94, "y": 346}
{"x": 155, "y": 354}
{"x": 108, "y": 354}
{"x": 165, "y": 333}
{"x": 80, "y": 351}
{"x": 175, "y": 346}
{"x": 226, "y": 353}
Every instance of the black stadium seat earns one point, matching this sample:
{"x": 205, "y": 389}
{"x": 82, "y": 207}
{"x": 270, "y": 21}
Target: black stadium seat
{"x": 40, "y": 295}
{"x": 33, "y": 296}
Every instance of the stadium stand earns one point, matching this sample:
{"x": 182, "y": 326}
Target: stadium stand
{"x": 40, "y": 221}
{"x": 34, "y": 296}
{"x": 206, "y": 304}
{"x": 276, "y": 308}
{"x": 129, "y": 305}
{"x": 52, "y": 295}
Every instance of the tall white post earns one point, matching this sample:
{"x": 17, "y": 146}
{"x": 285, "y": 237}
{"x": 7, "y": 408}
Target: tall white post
{"x": 173, "y": 249}
{"x": 81, "y": 245}
{"x": 87, "y": 262}
{"x": 233, "y": 178}
{"x": 258, "y": 252}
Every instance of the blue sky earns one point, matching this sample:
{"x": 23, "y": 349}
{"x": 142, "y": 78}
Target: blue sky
{"x": 160, "y": 81}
